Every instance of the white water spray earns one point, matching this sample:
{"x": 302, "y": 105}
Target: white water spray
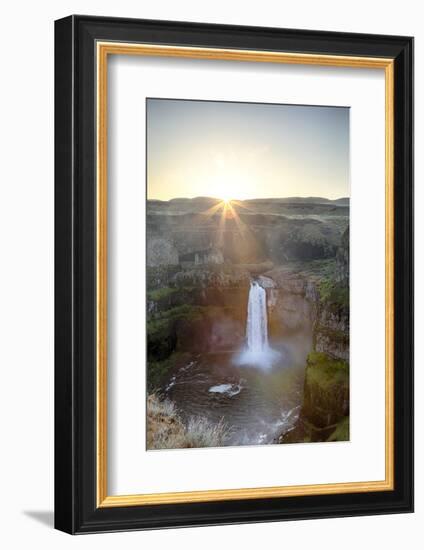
{"x": 257, "y": 321}
{"x": 257, "y": 352}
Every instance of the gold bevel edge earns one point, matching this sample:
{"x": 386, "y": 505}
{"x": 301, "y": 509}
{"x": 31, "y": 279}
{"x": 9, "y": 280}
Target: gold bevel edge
{"x": 122, "y": 48}
{"x": 244, "y": 494}
{"x": 101, "y": 289}
{"x": 117, "y": 48}
{"x": 389, "y": 270}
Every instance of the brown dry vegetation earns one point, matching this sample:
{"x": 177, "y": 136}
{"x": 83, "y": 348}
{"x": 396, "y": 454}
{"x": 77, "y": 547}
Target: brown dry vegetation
{"x": 165, "y": 429}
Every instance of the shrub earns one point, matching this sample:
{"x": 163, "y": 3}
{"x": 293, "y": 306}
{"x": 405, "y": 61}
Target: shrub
{"x": 202, "y": 433}
{"x": 341, "y": 433}
{"x": 333, "y": 293}
{"x": 166, "y": 430}
{"x": 161, "y": 293}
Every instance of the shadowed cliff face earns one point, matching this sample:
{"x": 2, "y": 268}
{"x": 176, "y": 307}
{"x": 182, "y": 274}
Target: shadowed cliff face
{"x": 331, "y": 331}
{"x": 243, "y": 231}
{"x": 324, "y": 415}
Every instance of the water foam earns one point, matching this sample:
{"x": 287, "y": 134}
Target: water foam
{"x": 258, "y": 352}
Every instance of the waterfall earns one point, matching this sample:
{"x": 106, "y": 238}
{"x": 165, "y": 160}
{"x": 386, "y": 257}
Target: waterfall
{"x": 257, "y": 322}
{"x": 257, "y": 352}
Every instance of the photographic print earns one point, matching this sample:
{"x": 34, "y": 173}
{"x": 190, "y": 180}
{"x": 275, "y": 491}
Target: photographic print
{"x": 247, "y": 292}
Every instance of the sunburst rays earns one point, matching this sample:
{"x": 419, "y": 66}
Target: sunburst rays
{"x": 241, "y": 205}
{"x": 228, "y": 213}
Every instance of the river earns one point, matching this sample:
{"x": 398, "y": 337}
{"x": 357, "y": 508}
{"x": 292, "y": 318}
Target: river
{"x": 256, "y": 403}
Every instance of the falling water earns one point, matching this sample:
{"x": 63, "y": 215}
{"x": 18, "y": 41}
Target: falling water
{"x": 257, "y": 322}
{"x": 257, "y": 353}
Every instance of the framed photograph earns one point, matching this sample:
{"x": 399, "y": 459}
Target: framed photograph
{"x": 234, "y": 274}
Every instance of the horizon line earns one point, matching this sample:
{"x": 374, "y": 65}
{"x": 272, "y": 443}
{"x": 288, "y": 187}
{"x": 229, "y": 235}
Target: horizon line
{"x": 206, "y": 197}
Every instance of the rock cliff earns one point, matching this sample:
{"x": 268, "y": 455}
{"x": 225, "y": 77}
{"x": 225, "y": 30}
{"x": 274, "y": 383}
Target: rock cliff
{"x": 325, "y": 411}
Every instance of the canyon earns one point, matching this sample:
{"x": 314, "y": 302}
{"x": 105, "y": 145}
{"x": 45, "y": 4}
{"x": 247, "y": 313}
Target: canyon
{"x": 203, "y": 255}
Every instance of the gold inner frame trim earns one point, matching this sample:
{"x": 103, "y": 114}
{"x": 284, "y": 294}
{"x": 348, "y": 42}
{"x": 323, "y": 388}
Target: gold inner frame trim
{"x": 103, "y": 50}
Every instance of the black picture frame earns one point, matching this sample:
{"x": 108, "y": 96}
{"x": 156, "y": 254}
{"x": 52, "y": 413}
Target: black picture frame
{"x": 76, "y": 510}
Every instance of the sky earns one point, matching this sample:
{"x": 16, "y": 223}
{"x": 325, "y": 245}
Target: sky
{"x": 246, "y": 150}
